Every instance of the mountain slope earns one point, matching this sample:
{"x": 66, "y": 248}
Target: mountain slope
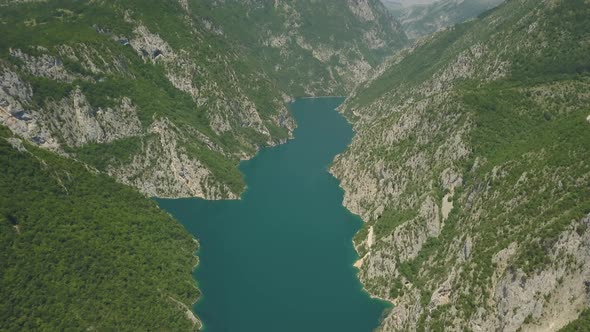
{"x": 81, "y": 252}
{"x": 310, "y": 47}
{"x": 421, "y": 20}
{"x": 471, "y": 169}
{"x": 169, "y": 96}
{"x": 139, "y": 90}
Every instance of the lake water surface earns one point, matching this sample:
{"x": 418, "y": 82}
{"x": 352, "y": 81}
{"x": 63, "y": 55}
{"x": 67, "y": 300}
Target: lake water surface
{"x": 280, "y": 259}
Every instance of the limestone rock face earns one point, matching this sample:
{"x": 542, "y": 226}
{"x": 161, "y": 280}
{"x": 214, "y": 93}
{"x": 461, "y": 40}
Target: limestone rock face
{"x": 78, "y": 123}
{"x": 71, "y": 120}
{"x": 362, "y": 9}
{"x": 150, "y": 46}
{"x": 15, "y": 114}
{"x": 547, "y": 300}
{"x": 73, "y": 95}
{"x": 43, "y": 66}
{"x": 169, "y": 96}
{"x": 163, "y": 168}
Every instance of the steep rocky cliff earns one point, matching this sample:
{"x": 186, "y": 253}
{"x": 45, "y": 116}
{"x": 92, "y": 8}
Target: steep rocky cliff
{"x": 470, "y": 168}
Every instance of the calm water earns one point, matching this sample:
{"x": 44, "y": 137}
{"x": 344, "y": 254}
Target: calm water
{"x": 281, "y": 258}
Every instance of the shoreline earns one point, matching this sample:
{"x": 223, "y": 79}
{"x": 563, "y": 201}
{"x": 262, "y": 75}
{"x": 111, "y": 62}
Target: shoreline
{"x": 370, "y": 236}
{"x": 318, "y": 97}
{"x": 357, "y": 265}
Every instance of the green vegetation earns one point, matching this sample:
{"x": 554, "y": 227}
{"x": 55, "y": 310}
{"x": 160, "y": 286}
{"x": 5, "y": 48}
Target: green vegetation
{"x": 582, "y": 324}
{"x": 222, "y": 168}
{"x": 234, "y": 66}
{"x": 103, "y": 155}
{"x": 390, "y": 219}
{"x": 511, "y": 131}
{"x": 83, "y": 252}
{"x": 412, "y": 70}
{"x": 320, "y": 24}
{"x": 88, "y": 27}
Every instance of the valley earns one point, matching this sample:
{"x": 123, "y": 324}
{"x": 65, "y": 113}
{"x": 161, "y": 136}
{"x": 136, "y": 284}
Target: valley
{"x": 461, "y": 152}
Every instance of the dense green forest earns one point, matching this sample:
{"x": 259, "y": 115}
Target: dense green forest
{"x": 82, "y": 252}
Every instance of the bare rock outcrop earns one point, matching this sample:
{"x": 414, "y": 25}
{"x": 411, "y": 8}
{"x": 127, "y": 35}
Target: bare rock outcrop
{"x": 164, "y": 169}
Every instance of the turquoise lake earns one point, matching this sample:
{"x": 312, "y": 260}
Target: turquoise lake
{"x": 281, "y": 258}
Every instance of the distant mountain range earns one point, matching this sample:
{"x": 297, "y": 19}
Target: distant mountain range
{"x": 423, "y": 17}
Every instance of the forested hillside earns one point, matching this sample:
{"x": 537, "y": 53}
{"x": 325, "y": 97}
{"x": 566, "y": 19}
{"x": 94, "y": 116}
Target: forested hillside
{"x": 132, "y": 87}
{"x": 82, "y": 252}
{"x": 311, "y": 47}
{"x": 471, "y": 168}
